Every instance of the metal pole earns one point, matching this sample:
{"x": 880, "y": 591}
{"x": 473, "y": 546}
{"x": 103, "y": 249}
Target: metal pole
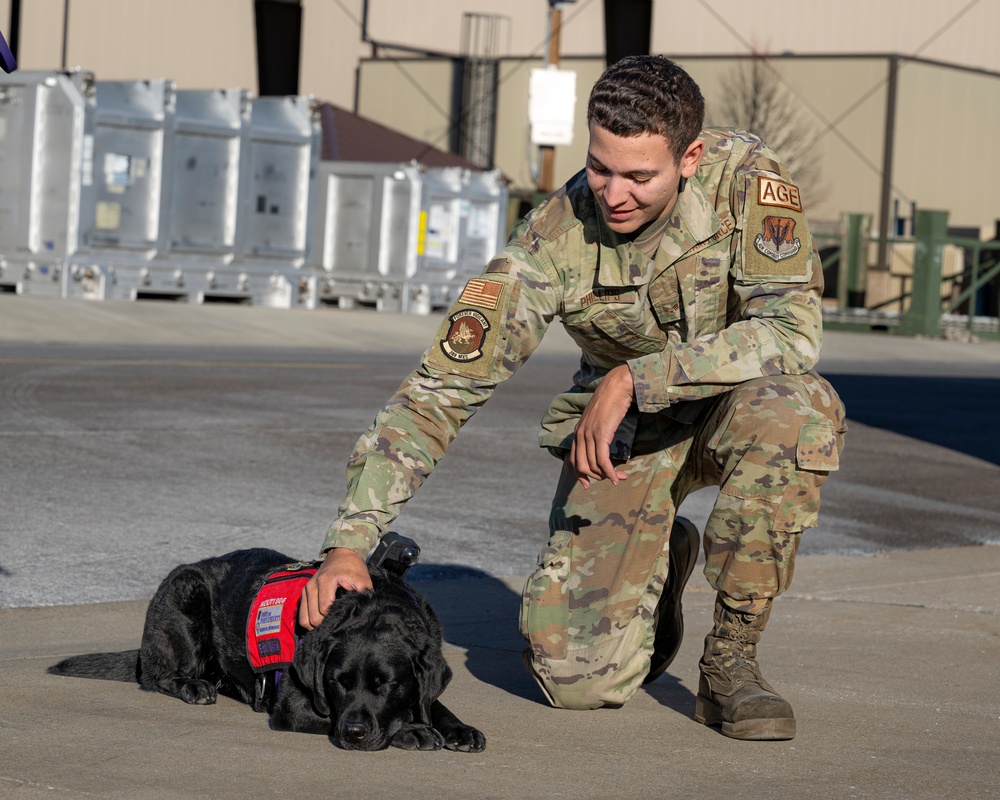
{"x": 547, "y": 179}
{"x": 851, "y": 273}
{"x": 885, "y": 227}
{"x": 923, "y": 317}
{"x": 65, "y": 39}
{"x": 15, "y": 27}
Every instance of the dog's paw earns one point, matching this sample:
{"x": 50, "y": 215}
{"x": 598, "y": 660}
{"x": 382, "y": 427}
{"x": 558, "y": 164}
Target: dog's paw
{"x": 197, "y": 692}
{"x": 418, "y": 737}
{"x": 465, "y": 739}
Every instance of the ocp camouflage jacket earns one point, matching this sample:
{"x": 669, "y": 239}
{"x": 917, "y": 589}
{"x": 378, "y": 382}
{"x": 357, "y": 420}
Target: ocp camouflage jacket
{"x": 732, "y": 293}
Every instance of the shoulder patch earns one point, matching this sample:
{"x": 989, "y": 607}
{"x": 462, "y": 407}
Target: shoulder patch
{"x": 776, "y": 241}
{"x": 482, "y": 293}
{"x": 501, "y": 265}
{"x": 466, "y": 333}
{"x": 772, "y": 192}
{"x": 470, "y": 339}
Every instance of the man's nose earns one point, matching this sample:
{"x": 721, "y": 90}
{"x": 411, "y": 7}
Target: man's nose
{"x": 615, "y": 191}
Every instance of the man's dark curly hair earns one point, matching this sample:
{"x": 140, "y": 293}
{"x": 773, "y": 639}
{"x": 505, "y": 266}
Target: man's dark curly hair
{"x": 648, "y": 94}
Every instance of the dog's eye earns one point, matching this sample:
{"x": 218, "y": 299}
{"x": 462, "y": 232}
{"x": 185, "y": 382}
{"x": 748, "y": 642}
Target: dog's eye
{"x": 340, "y": 680}
{"x": 384, "y": 688}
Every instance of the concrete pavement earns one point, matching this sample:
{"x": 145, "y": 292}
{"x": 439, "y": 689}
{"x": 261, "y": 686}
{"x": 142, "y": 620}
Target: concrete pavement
{"x": 890, "y": 661}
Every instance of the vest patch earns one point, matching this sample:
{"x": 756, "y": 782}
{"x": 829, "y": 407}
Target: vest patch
{"x": 272, "y": 618}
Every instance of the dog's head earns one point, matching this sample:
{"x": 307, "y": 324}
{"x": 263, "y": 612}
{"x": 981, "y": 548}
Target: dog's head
{"x": 373, "y": 665}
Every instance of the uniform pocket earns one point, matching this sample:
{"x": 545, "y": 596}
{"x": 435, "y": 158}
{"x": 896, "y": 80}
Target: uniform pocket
{"x": 616, "y": 328}
{"x": 817, "y": 447}
{"x": 544, "y": 612}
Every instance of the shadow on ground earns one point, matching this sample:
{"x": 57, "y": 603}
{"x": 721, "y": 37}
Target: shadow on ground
{"x": 957, "y": 413}
{"x": 480, "y": 613}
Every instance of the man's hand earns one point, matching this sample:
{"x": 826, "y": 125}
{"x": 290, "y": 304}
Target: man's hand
{"x": 342, "y": 569}
{"x": 590, "y": 454}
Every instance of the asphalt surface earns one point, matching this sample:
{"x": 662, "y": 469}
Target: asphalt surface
{"x": 137, "y": 436}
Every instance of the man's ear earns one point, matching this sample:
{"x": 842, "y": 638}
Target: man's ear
{"x": 691, "y": 158}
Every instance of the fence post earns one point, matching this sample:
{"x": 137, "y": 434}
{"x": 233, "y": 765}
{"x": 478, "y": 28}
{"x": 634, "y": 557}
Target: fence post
{"x": 924, "y": 314}
{"x": 852, "y": 276}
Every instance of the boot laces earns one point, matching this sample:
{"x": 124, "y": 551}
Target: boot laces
{"x": 738, "y": 651}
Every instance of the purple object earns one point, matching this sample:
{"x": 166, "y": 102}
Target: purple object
{"x": 7, "y": 62}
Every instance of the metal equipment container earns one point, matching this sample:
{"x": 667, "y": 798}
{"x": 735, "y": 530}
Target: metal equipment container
{"x": 277, "y": 189}
{"x": 463, "y": 225}
{"x": 398, "y": 237}
{"x": 127, "y": 229}
{"x": 46, "y": 176}
{"x": 209, "y": 155}
{"x": 367, "y": 233}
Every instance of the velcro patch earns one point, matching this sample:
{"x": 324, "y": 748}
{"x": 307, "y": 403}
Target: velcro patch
{"x": 465, "y": 337}
{"x": 776, "y": 245}
{"x": 772, "y": 192}
{"x": 469, "y": 340}
{"x": 614, "y": 294}
{"x": 482, "y": 293}
{"x": 777, "y": 240}
{"x": 501, "y": 265}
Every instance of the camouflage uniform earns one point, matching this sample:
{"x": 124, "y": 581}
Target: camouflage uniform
{"x": 720, "y": 329}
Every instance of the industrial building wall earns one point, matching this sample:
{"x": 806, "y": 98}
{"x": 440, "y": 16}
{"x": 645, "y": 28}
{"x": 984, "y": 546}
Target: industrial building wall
{"x": 210, "y": 43}
{"x": 199, "y": 44}
{"x": 388, "y": 92}
{"x": 940, "y": 156}
{"x": 945, "y": 155}
{"x": 942, "y": 114}
{"x": 840, "y": 105}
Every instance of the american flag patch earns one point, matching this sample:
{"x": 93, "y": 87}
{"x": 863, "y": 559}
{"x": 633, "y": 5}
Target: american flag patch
{"x": 485, "y": 294}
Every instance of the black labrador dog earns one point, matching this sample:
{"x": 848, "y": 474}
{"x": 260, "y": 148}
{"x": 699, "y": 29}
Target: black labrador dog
{"x": 368, "y": 677}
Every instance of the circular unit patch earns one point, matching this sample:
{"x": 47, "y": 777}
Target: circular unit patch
{"x": 466, "y": 335}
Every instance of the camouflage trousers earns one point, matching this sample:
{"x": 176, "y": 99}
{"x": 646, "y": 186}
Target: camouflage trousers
{"x": 588, "y": 609}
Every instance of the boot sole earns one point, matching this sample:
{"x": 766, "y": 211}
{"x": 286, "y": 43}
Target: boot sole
{"x": 756, "y": 730}
{"x": 681, "y": 577}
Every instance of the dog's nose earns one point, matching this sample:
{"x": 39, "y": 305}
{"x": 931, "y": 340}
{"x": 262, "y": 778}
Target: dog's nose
{"x": 353, "y": 731}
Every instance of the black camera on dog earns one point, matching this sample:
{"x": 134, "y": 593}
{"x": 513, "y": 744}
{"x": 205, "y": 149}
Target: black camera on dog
{"x": 395, "y": 553}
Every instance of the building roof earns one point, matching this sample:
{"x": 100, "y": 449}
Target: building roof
{"x": 348, "y": 137}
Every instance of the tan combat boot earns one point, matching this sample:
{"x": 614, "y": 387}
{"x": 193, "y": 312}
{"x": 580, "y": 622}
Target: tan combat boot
{"x": 732, "y": 693}
{"x": 684, "y": 538}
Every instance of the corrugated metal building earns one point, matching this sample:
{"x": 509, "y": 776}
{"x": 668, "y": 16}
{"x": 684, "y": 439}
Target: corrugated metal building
{"x": 836, "y": 61}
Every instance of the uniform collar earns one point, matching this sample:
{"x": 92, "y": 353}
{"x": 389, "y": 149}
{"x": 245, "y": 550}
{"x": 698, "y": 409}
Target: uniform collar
{"x": 692, "y": 221}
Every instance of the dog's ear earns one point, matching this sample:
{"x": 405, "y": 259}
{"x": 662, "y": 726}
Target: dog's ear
{"x": 313, "y": 651}
{"x": 433, "y": 675}
{"x": 309, "y": 664}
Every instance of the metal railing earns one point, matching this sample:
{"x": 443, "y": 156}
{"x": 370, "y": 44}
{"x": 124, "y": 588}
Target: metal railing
{"x": 923, "y": 310}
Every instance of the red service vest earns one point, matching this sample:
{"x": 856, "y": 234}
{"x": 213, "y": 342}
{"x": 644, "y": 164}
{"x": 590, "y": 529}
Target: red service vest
{"x": 272, "y": 619}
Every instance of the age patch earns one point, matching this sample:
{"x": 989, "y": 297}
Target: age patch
{"x": 772, "y": 192}
{"x": 776, "y": 244}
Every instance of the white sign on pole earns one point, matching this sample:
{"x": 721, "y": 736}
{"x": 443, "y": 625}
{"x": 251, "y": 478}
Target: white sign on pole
{"x": 551, "y": 104}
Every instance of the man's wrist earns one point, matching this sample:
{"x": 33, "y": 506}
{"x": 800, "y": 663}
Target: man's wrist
{"x": 360, "y": 537}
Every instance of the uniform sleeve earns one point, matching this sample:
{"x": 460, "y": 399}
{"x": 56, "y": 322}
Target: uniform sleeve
{"x": 774, "y": 319}
{"x": 494, "y": 326}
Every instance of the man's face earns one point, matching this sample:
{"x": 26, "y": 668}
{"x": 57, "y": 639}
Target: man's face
{"x": 635, "y": 179}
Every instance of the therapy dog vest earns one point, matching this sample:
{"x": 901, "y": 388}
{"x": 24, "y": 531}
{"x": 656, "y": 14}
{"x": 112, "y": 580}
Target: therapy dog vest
{"x": 271, "y": 624}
